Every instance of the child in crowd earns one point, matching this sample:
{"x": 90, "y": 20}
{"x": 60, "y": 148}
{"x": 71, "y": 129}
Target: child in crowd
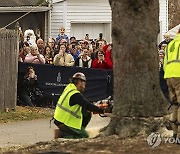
{"x": 62, "y": 35}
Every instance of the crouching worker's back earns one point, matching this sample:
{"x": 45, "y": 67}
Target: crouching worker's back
{"x": 73, "y": 110}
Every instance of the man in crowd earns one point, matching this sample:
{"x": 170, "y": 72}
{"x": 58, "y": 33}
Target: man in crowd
{"x": 165, "y": 41}
{"x": 74, "y": 51}
{"x": 172, "y": 75}
{"x": 40, "y": 45}
{"x": 73, "y": 40}
{"x": 72, "y": 113}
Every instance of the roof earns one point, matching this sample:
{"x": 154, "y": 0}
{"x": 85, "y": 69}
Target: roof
{"x": 16, "y": 3}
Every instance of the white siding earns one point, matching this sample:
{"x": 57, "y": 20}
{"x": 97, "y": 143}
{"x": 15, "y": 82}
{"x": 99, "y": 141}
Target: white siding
{"x": 67, "y": 12}
{"x": 163, "y": 17}
{"x": 57, "y": 16}
{"x": 87, "y": 11}
{"x": 93, "y": 29}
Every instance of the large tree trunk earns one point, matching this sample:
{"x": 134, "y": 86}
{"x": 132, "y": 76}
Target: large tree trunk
{"x": 136, "y": 76}
{"x": 173, "y": 13}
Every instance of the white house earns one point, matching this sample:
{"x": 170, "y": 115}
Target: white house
{"x": 163, "y": 18}
{"x": 81, "y": 17}
{"x": 92, "y": 17}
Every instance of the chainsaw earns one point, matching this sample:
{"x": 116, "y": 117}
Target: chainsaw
{"x": 106, "y": 104}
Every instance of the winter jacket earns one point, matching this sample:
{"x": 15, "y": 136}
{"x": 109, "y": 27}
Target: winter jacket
{"x": 34, "y": 59}
{"x": 63, "y": 60}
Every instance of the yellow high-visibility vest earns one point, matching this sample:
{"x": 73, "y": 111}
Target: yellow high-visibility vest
{"x": 69, "y": 115}
{"x": 172, "y": 58}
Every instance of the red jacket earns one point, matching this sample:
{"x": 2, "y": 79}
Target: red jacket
{"x": 108, "y": 56}
{"x": 103, "y": 65}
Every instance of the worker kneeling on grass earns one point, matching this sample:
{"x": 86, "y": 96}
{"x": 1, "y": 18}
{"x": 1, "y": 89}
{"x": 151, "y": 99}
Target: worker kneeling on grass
{"x": 73, "y": 110}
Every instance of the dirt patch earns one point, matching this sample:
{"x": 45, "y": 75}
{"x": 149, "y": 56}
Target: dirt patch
{"x": 104, "y": 145}
{"x": 24, "y": 134}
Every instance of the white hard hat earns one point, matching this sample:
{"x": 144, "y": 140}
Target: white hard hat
{"x": 79, "y": 75}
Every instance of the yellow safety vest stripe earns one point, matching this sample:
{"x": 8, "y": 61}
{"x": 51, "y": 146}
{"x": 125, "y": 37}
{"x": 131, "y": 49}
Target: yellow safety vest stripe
{"x": 69, "y": 115}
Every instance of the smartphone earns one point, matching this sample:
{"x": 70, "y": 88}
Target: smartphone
{"x": 100, "y": 36}
{"x": 73, "y": 46}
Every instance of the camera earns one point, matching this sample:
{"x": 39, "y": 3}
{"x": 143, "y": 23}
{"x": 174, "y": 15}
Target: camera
{"x": 28, "y": 38}
{"x": 100, "y": 36}
{"x": 73, "y": 46}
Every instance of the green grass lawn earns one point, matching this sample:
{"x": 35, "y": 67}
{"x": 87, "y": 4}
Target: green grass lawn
{"x": 25, "y": 113}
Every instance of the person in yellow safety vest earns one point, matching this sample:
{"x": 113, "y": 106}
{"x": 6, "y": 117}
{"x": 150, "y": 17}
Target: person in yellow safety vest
{"x": 73, "y": 110}
{"x": 172, "y": 75}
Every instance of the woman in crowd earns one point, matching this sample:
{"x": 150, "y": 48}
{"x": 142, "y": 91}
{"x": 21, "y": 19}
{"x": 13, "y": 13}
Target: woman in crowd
{"x": 100, "y": 61}
{"x": 48, "y": 54}
{"x": 83, "y": 60}
{"x": 63, "y": 58}
{"x": 34, "y": 56}
{"x": 108, "y": 54}
{"x": 29, "y": 89}
{"x": 24, "y": 50}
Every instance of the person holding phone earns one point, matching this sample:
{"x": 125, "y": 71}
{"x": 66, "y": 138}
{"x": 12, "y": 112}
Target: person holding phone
{"x": 74, "y": 51}
{"x": 87, "y": 37}
{"x": 84, "y": 60}
{"x": 28, "y": 87}
{"x": 63, "y": 58}
{"x": 100, "y": 61}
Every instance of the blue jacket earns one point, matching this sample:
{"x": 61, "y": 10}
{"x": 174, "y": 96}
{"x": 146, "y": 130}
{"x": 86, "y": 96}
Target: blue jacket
{"x": 59, "y": 37}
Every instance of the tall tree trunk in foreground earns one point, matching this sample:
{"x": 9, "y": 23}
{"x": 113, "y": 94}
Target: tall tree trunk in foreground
{"x": 173, "y": 13}
{"x": 136, "y": 79}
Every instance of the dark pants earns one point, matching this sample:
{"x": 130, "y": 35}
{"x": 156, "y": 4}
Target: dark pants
{"x": 26, "y": 100}
{"x": 69, "y": 132}
{"x": 32, "y": 100}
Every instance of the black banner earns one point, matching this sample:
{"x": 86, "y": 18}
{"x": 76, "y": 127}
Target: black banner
{"x": 53, "y": 79}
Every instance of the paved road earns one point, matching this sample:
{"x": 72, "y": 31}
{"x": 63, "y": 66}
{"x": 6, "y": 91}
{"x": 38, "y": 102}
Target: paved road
{"x": 30, "y": 132}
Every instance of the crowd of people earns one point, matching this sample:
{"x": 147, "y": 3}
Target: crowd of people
{"x": 161, "y": 52}
{"x": 59, "y": 51}
{"x": 65, "y": 51}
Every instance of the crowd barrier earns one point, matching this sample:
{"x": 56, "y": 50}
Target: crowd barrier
{"x": 53, "y": 79}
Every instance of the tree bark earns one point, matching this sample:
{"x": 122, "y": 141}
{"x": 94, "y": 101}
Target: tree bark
{"x": 137, "y": 92}
{"x": 173, "y": 13}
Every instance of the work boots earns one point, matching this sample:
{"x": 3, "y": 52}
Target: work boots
{"x": 57, "y": 133}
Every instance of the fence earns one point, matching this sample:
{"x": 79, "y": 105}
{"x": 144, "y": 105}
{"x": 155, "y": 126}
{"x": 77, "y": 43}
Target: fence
{"x": 8, "y": 69}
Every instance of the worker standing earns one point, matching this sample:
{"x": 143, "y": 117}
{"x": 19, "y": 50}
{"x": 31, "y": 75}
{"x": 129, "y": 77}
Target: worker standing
{"x": 73, "y": 110}
{"x": 172, "y": 75}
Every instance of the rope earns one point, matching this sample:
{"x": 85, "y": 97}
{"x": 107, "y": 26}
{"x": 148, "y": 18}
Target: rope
{"x": 21, "y": 16}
